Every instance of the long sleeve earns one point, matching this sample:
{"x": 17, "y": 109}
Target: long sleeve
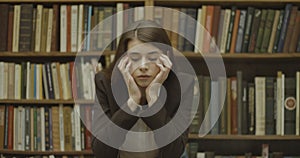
{"x": 165, "y": 115}
{"x": 101, "y": 127}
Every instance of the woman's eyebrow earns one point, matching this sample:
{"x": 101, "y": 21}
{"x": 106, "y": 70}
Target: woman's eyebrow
{"x": 134, "y": 53}
{"x": 153, "y": 52}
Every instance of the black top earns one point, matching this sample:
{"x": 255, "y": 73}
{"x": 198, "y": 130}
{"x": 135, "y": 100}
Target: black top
{"x": 126, "y": 121}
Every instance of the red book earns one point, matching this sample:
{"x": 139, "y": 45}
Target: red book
{"x": 235, "y": 30}
{"x": 10, "y": 144}
{"x": 209, "y": 27}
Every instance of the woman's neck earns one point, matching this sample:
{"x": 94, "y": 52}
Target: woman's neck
{"x": 143, "y": 98}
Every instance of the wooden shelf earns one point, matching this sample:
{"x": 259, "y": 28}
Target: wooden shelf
{"x": 230, "y": 1}
{"x": 244, "y": 137}
{"x": 187, "y": 54}
{"x": 18, "y": 152}
{"x": 68, "y": 1}
{"x": 245, "y": 56}
{"x": 52, "y": 54}
{"x": 36, "y": 102}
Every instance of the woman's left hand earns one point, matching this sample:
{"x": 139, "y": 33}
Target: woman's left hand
{"x": 152, "y": 91}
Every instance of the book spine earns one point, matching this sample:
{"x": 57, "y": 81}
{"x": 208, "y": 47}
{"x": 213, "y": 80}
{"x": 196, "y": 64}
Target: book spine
{"x": 261, "y": 30}
{"x": 283, "y": 30}
{"x": 251, "y": 107}
{"x": 16, "y": 28}
{"x": 295, "y": 34}
{"x": 241, "y": 28}
{"x": 260, "y": 106}
{"x": 267, "y": 31}
{"x": 270, "y": 126}
{"x": 4, "y": 26}
{"x": 274, "y": 28}
{"x": 290, "y": 106}
{"x": 230, "y": 29}
{"x": 279, "y": 27}
{"x": 26, "y": 18}
{"x": 290, "y": 29}
{"x": 254, "y": 30}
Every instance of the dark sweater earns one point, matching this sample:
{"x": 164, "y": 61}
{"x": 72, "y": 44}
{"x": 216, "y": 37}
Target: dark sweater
{"x": 126, "y": 121}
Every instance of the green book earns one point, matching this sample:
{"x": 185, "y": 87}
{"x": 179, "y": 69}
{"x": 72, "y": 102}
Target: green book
{"x": 267, "y": 30}
{"x": 260, "y": 33}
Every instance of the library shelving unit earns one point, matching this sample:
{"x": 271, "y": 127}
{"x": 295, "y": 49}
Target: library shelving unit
{"x": 251, "y": 64}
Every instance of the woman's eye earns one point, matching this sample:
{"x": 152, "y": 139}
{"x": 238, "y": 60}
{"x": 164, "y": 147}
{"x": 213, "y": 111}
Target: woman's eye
{"x": 134, "y": 58}
{"x": 153, "y": 59}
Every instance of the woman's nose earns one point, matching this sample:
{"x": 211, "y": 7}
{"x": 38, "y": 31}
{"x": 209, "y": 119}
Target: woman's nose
{"x": 143, "y": 67}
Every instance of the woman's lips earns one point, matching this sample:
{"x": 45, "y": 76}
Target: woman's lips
{"x": 143, "y": 77}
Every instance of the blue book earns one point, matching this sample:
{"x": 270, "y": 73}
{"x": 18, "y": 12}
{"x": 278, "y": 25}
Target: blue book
{"x": 286, "y": 19}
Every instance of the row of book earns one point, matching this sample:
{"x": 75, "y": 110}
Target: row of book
{"x": 192, "y": 152}
{"x": 230, "y": 30}
{"x": 50, "y": 156}
{"x": 28, "y": 80}
{"x": 62, "y": 27}
{"x": 265, "y": 106}
{"x": 46, "y": 128}
{"x": 236, "y": 30}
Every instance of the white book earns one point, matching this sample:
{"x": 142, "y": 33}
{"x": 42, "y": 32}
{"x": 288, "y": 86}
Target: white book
{"x": 280, "y": 104}
{"x": 92, "y": 85}
{"x": 119, "y": 21}
{"x": 36, "y": 86}
{"x": 45, "y": 81}
{"x": 11, "y": 80}
{"x": 198, "y": 32}
{"x": 39, "y": 81}
{"x": 200, "y": 154}
{"x": 298, "y": 103}
{"x": 138, "y": 13}
{"x": 77, "y": 127}
{"x": 42, "y": 128}
{"x": 64, "y": 81}
{"x": 38, "y": 28}
{"x": 2, "y": 80}
{"x": 225, "y": 30}
{"x": 74, "y": 29}
{"x": 87, "y": 85}
{"x": 79, "y": 31}
{"x": 49, "y": 30}
{"x": 15, "y": 130}
{"x": 260, "y": 105}
{"x": 61, "y": 127}
{"x": 63, "y": 28}
{"x": 5, "y": 81}
{"x": 16, "y": 29}
{"x": 20, "y": 127}
{"x": 28, "y": 82}
{"x": 55, "y": 81}
{"x": 202, "y": 24}
{"x": 18, "y": 73}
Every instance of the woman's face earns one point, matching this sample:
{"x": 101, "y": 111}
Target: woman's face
{"x": 143, "y": 58}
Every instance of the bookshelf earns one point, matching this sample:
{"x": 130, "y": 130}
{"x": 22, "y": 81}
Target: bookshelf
{"x": 251, "y": 64}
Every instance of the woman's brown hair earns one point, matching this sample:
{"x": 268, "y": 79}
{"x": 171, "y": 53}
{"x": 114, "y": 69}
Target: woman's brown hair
{"x": 145, "y": 31}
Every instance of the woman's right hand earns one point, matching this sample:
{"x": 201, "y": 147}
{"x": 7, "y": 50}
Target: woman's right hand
{"x": 133, "y": 90}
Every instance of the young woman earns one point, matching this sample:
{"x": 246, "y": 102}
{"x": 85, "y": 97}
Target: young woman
{"x": 140, "y": 91}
